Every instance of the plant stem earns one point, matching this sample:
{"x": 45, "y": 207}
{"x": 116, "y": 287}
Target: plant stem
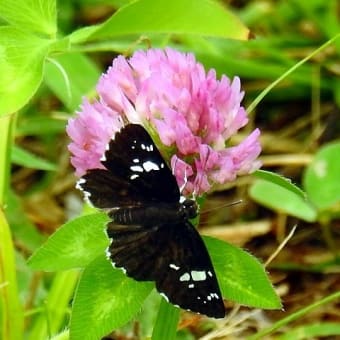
{"x": 166, "y": 324}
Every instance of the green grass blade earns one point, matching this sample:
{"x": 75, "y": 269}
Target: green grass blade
{"x": 285, "y": 321}
{"x": 11, "y": 309}
{"x": 258, "y": 99}
{"x": 57, "y": 306}
{"x": 166, "y": 324}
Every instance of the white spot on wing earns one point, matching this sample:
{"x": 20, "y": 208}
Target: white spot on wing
{"x": 86, "y": 194}
{"x": 149, "y": 166}
{"x": 136, "y": 168}
{"x": 148, "y": 148}
{"x": 191, "y": 285}
{"x": 214, "y": 295}
{"x": 115, "y": 267}
{"x": 173, "y": 266}
{"x": 134, "y": 176}
{"x": 103, "y": 157}
{"x": 198, "y": 275}
{"x": 164, "y": 296}
{"x": 79, "y": 183}
{"x": 185, "y": 277}
{"x": 135, "y": 160}
{"x": 108, "y": 254}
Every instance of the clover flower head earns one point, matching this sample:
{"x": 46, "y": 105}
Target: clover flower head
{"x": 193, "y": 113}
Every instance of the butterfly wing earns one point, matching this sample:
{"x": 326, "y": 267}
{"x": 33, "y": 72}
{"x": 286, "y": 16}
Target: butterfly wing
{"x": 175, "y": 257}
{"x": 135, "y": 174}
{"x": 171, "y": 254}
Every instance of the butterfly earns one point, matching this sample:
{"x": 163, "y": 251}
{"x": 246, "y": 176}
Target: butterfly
{"x": 152, "y": 238}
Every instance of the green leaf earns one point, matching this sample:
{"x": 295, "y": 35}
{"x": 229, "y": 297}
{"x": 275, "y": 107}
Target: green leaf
{"x": 29, "y": 160}
{"x": 321, "y": 178}
{"x": 24, "y": 231}
{"x": 279, "y": 198}
{"x": 105, "y": 300}
{"x": 178, "y": 16}
{"x": 31, "y": 15}
{"x": 80, "y": 77}
{"x": 65, "y": 335}
{"x": 40, "y": 126}
{"x": 73, "y": 245}
{"x": 313, "y": 331}
{"x": 279, "y": 180}
{"x": 82, "y": 34}
{"x": 21, "y": 67}
{"x": 241, "y": 276}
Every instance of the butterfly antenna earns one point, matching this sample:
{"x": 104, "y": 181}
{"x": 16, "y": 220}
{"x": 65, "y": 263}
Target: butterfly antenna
{"x": 222, "y": 206}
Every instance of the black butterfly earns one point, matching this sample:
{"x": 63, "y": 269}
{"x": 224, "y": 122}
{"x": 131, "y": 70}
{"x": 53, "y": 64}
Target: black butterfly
{"x": 151, "y": 236}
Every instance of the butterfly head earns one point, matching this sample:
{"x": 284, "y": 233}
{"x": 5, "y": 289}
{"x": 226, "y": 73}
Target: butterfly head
{"x": 189, "y": 208}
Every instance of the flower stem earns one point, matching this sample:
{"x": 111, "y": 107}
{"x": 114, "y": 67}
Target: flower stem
{"x": 166, "y": 324}
{"x": 12, "y": 318}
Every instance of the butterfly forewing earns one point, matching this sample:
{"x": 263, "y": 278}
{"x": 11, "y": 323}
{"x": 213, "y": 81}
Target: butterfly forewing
{"x": 136, "y": 173}
{"x": 151, "y": 236}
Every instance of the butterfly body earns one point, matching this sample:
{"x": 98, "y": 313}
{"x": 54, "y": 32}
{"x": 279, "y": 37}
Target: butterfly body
{"x": 155, "y": 213}
{"x": 152, "y": 238}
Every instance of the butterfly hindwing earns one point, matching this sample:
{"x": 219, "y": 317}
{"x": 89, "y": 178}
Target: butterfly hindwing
{"x": 189, "y": 280}
{"x": 175, "y": 257}
{"x": 136, "y": 249}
